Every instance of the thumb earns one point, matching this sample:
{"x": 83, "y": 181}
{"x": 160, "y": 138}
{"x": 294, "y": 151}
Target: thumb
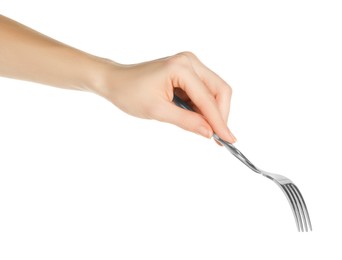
{"x": 188, "y": 120}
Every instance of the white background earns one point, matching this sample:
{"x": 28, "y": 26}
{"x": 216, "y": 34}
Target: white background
{"x": 79, "y": 179}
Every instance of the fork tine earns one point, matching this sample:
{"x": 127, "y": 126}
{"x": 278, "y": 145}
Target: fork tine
{"x": 291, "y": 192}
{"x": 300, "y": 207}
{"x": 293, "y": 205}
{"x": 305, "y": 210}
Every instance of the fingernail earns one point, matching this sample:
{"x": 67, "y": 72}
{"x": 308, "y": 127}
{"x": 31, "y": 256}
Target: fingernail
{"x": 203, "y": 131}
{"x": 234, "y": 138}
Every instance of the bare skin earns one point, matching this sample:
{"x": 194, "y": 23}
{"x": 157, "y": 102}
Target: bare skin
{"x": 143, "y": 90}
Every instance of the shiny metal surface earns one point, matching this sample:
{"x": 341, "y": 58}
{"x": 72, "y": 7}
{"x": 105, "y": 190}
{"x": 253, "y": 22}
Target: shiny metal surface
{"x": 290, "y": 190}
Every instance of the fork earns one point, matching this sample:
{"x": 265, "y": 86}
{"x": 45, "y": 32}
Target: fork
{"x": 290, "y": 190}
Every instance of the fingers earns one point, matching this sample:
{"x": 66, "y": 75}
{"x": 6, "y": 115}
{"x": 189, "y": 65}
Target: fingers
{"x": 217, "y": 86}
{"x": 188, "y": 80}
{"x": 188, "y": 120}
{"x": 223, "y": 101}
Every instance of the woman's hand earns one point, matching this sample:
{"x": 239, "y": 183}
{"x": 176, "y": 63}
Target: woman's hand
{"x": 146, "y": 90}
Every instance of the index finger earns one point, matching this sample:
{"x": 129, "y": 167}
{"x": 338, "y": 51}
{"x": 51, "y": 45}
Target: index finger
{"x": 217, "y": 86}
{"x": 204, "y": 100}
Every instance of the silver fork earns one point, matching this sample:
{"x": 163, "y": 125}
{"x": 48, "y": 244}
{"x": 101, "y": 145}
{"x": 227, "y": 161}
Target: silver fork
{"x": 290, "y": 190}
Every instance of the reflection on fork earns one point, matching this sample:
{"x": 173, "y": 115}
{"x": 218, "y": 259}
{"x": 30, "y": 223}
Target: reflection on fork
{"x": 290, "y": 190}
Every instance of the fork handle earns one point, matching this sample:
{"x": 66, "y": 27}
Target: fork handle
{"x": 230, "y": 147}
{"x": 179, "y": 102}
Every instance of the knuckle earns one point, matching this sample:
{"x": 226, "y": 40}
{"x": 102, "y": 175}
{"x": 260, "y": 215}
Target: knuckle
{"x": 227, "y": 90}
{"x": 181, "y": 59}
{"x": 187, "y": 54}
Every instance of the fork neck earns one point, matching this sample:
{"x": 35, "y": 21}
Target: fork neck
{"x": 230, "y": 147}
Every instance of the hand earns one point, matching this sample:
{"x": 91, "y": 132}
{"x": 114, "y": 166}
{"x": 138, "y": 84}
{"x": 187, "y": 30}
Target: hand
{"x": 146, "y": 90}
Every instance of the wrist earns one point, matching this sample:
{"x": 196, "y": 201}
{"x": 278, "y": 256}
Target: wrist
{"x": 100, "y": 73}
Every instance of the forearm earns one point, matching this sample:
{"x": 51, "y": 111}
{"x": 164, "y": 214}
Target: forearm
{"x": 28, "y": 55}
